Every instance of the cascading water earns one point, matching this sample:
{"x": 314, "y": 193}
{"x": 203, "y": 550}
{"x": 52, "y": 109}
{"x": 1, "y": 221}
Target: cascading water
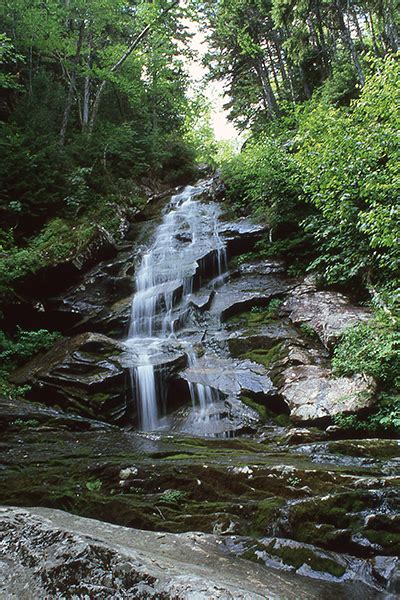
{"x": 187, "y": 237}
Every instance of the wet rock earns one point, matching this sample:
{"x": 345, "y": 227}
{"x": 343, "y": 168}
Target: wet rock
{"x": 87, "y": 374}
{"x": 241, "y": 235}
{"x": 310, "y": 561}
{"x": 328, "y": 313}
{"x": 241, "y": 294}
{"x": 20, "y": 414}
{"x": 303, "y": 436}
{"x": 263, "y": 337}
{"x": 223, "y": 418}
{"x": 230, "y": 377}
{"x": 56, "y": 554}
{"x": 101, "y": 302}
{"x": 313, "y": 394}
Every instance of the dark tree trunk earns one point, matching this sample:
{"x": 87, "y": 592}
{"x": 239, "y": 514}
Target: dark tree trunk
{"x": 72, "y": 85}
{"x": 348, "y": 42}
{"x": 268, "y": 94}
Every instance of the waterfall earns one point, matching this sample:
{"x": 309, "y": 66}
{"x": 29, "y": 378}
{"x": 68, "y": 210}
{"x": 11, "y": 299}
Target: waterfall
{"x": 164, "y": 283}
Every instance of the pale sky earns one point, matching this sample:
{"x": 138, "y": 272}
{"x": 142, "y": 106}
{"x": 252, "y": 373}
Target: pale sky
{"x": 224, "y": 130}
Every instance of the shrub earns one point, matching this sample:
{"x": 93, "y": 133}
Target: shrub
{"x": 372, "y": 348}
{"x": 25, "y": 345}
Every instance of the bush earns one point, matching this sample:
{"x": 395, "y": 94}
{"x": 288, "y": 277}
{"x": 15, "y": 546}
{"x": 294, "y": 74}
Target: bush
{"x": 372, "y": 348}
{"x": 25, "y": 345}
{"x": 262, "y": 179}
{"x": 385, "y": 419}
{"x": 349, "y": 164}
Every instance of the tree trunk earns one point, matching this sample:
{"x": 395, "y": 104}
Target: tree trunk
{"x": 354, "y": 18}
{"x": 274, "y": 74}
{"x": 348, "y": 42}
{"x": 390, "y": 30}
{"x": 87, "y": 90}
{"x": 120, "y": 62}
{"x": 72, "y": 85}
{"x": 306, "y": 85}
{"x": 370, "y": 24}
{"x": 268, "y": 94}
{"x": 322, "y": 40}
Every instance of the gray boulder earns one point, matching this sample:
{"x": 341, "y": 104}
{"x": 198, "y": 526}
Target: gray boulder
{"x": 328, "y": 313}
{"x": 313, "y": 394}
{"x": 47, "y": 553}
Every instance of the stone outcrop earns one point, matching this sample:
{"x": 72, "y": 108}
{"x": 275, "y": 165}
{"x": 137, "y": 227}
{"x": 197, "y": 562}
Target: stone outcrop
{"x": 86, "y": 374}
{"x": 48, "y": 553}
{"x": 89, "y": 374}
{"x": 328, "y": 313}
{"x": 313, "y": 394}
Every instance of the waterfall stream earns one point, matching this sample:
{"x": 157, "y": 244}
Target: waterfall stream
{"x": 187, "y": 237}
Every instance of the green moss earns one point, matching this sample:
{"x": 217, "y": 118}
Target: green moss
{"x": 266, "y": 513}
{"x": 99, "y": 398}
{"x": 258, "y": 315}
{"x": 180, "y": 456}
{"x": 265, "y": 414}
{"x": 389, "y": 541}
{"x": 265, "y": 356}
{"x": 306, "y": 556}
{"x": 260, "y": 408}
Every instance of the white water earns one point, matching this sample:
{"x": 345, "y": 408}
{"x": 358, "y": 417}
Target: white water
{"x": 164, "y": 281}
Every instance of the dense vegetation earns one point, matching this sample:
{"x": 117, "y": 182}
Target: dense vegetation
{"x": 316, "y": 86}
{"x": 94, "y": 107}
{"x": 93, "y": 101}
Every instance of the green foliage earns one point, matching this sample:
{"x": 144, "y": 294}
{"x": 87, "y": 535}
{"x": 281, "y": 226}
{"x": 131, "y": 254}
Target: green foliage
{"x": 372, "y": 348}
{"x": 94, "y": 485}
{"x": 18, "y": 350}
{"x": 385, "y": 419}
{"x": 262, "y": 179}
{"x": 25, "y": 345}
{"x": 349, "y": 162}
{"x": 173, "y": 496}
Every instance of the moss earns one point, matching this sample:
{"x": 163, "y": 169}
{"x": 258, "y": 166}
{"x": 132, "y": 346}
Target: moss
{"x": 258, "y": 315}
{"x": 298, "y": 556}
{"x": 99, "y": 398}
{"x": 181, "y": 456}
{"x": 265, "y": 356}
{"x": 389, "y": 541}
{"x": 282, "y": 420}
{"x": 266, "y": 513}
{"x": 260, "y": 408}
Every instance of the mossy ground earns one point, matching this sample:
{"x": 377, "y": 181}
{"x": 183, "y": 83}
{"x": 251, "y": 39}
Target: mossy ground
{"x": 239, "y": 486}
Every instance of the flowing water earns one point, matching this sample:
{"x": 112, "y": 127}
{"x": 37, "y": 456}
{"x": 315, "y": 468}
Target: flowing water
{"x": 186, "y": 246}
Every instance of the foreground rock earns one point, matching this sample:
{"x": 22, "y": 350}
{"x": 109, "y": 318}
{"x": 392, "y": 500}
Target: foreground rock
{"x": 48, "y": 553}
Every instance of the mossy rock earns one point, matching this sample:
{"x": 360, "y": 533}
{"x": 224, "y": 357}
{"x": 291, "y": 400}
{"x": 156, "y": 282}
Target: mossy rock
{"x": 387, "y": 540}
{"x": 266, "y": 513}
{"x": 297, "y": 556}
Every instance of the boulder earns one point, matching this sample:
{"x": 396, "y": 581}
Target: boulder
{"x": 313, "y": 394}
{"x": 327, "y": 313}
{"x": 55, "y": 554}
{"x": 243, "y": 293}
{"x": 230, "y": 377}
{"x": 101, "y": 301}
{"x": 87, "y": 374}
